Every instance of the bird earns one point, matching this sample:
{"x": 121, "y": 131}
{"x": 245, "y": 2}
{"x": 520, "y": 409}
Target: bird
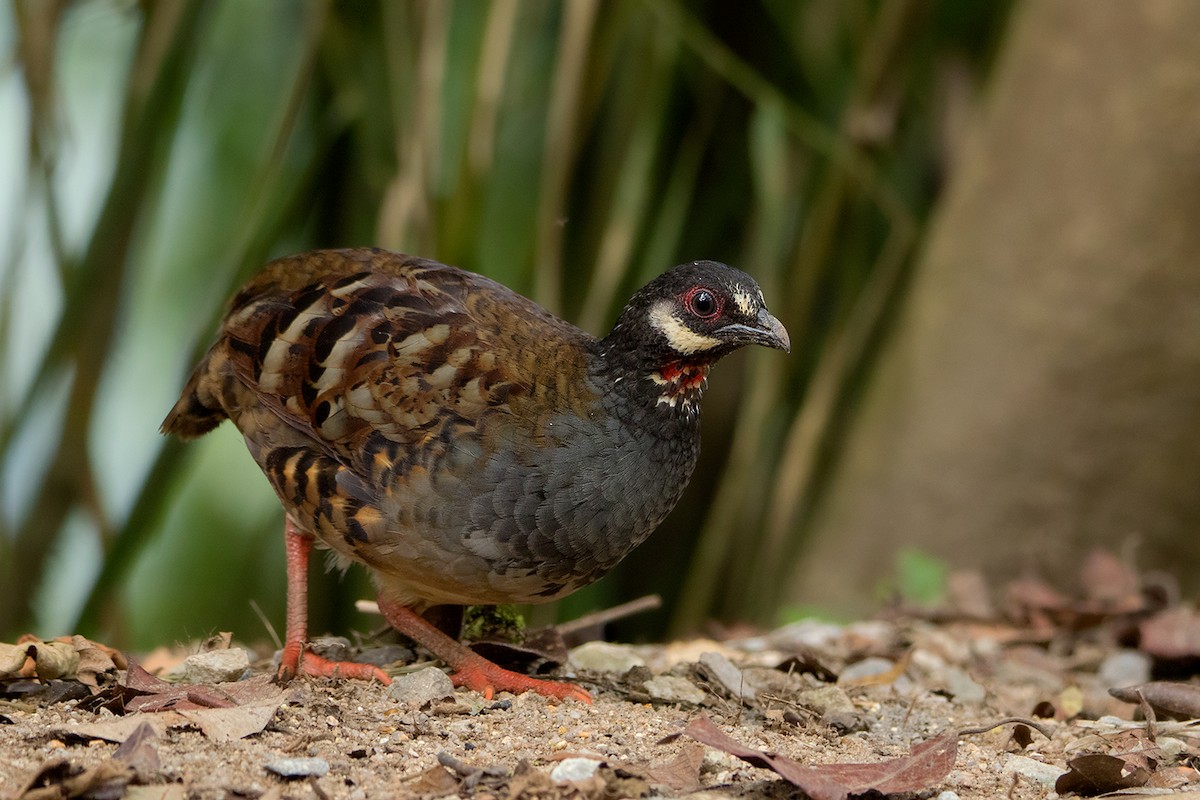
{"x": 464, "y": 444}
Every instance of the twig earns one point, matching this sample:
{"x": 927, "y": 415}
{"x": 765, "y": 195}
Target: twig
{"x": 638, "y": 606}
{"x": 316, "y": 787}
{"x": 266, "y": 623}
{"x": 1043, "y": 730}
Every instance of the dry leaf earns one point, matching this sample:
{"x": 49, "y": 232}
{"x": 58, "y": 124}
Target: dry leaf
{"x": 140, "y": 751}
{"x": 926, "y": 764}
{"x": 59, "y": 780}
{"x": 119, "y": 729}
{"x": 435, "y": 781}
{"x": 681, "y": 775}
{"x": 1173, "y": 633}
{"x": 230, "y": 724}
{"x": 1167, "y": 698}
{"x": 50, "y": 659}
{"x": 1097, "y": 773}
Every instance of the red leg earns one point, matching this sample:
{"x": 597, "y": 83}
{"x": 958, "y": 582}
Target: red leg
{"x": 296, "y": 659}
{"x": 471, "y": 669}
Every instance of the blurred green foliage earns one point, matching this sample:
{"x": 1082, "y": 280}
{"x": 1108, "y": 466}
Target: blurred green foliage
{"x": 154, "y": 154}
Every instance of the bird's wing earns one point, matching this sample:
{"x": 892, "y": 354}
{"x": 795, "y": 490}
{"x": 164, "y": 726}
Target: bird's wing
{"x": 383, "y": 361}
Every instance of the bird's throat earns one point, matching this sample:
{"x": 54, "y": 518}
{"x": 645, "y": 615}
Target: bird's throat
{"x": 680, "y": 385}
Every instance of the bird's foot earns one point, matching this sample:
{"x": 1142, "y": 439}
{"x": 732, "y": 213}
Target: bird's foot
{"x": 295, "y": 660}
{"x": 480, "y": 675}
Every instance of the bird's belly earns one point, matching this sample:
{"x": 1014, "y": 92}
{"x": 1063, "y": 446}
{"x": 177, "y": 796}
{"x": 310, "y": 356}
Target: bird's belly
{"x": 528, "y": 526}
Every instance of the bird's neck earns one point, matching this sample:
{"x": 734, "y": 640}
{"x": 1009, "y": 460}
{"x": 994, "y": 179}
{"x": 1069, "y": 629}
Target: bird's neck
{"x": 668, "y": 389}
{"x": 680, "y": 386}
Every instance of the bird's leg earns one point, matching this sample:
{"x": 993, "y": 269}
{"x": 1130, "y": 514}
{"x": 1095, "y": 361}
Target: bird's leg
{"x": 471, "y": 669}
{"x": 296, "y": 658}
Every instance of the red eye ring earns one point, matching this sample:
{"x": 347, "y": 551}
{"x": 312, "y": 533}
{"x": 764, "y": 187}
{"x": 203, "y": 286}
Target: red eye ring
{"x": 703, "y": 302}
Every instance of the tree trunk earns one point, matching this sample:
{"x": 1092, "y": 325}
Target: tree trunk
{"x": 1040, "y": 394}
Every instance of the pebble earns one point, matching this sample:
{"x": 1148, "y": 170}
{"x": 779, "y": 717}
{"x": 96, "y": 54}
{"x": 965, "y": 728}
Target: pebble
{"x": 574, "y": 769}
{"x": 605, "y": 657}
{"x": 334, "y": 648}
{"x": 384, "y": 654}
{"x": 1124, "y": 668}
{"x": 867, "y": 668}
{"x": 825, "y": 700}
{"x": 1037, "y": 771}
{"x": 674, "y": 689}
{"x": 806, "y": 633}
{"x": 947, "y": 795}
{"x": 298, "y": 767}
{"x": 725, "y": 673}
{"x": 963, "y": 688}
{"x": 417, "y": 689}
{"x": 216, "y": 666}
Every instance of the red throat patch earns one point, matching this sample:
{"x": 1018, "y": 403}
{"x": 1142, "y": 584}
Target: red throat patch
{"x": 681, "y": 383}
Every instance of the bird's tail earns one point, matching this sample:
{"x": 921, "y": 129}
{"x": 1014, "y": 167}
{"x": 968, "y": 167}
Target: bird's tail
{"x": 196, "y": 412}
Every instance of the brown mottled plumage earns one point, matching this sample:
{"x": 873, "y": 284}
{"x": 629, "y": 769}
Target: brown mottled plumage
{"x": 459, "y": 440}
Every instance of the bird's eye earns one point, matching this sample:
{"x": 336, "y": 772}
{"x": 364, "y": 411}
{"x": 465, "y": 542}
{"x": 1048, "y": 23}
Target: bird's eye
{"x": 702, "y": 303}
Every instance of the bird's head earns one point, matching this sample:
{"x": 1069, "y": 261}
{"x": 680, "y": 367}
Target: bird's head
{"x": 698, "y": 312}
{"x": 684, "y": 320}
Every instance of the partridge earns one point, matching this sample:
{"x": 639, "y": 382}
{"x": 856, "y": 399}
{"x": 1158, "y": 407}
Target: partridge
{"x": 464, "y": 444}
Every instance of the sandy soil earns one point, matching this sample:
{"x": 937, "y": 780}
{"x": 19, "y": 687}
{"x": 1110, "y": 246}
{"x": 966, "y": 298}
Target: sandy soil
{"x": 815, "y": 693}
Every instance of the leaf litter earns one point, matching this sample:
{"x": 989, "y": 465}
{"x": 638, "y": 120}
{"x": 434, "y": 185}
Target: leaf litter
{"x": 882, "y": 707}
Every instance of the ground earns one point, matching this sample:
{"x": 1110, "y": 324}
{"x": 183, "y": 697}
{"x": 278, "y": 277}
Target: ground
{"x": 667, "y": 720}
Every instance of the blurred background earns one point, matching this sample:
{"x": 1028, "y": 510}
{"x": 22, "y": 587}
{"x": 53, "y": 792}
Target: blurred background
{"x": 978, "y": 221}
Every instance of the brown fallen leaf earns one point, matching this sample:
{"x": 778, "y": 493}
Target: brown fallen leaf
{"x": 60, "y": 780}
{"x": 1098, "y": 773}
{"x": 47, "y": 660}
{"x": 1167, "y": 698}
{"x": 681, "y": 775}
{"x": 230, "y": 724}
{"x": 223, "y": 712}
{"x": 155, "y": 694}
{"x": 1172, "y": 634}
{"x": 140, "y": 752}
{"x": 926, "y": 764}
{"x": 435, "y": 781}
{"x": 98, "y": 663}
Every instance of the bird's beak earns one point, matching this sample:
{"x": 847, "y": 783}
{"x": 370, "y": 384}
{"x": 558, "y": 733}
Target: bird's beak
{"x": 767, "y": 331}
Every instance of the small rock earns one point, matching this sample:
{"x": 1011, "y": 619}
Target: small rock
{"x": 674, "y": 689}
{"x": 574, "y": 769}
{"x": 1037, "y": 771}
{"x": 844, "y": 723}
{"x": 729, "y": 676}
{"x": 216, "y": 666}
{"x": 420, "y": 688}
{"x": 947, "y": 795}
{"x": 1170, "y": 746}
{"x": 806, "y": 633}
{"x": 605, "y": 657}
{"x": 298, "y": 767}
{"x": 385, "y": 654}
{"x": 825, "y": 700}
{"x": 1124, "y": 668}
{"x": 962, "y": 688}
{"x": 867, "y": 668}
{"x": 334, "y": 648}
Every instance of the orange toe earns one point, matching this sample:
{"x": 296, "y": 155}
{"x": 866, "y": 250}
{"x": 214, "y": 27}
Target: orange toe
{"x": 487, "y": 678}
{"x": 293, "y": 663}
